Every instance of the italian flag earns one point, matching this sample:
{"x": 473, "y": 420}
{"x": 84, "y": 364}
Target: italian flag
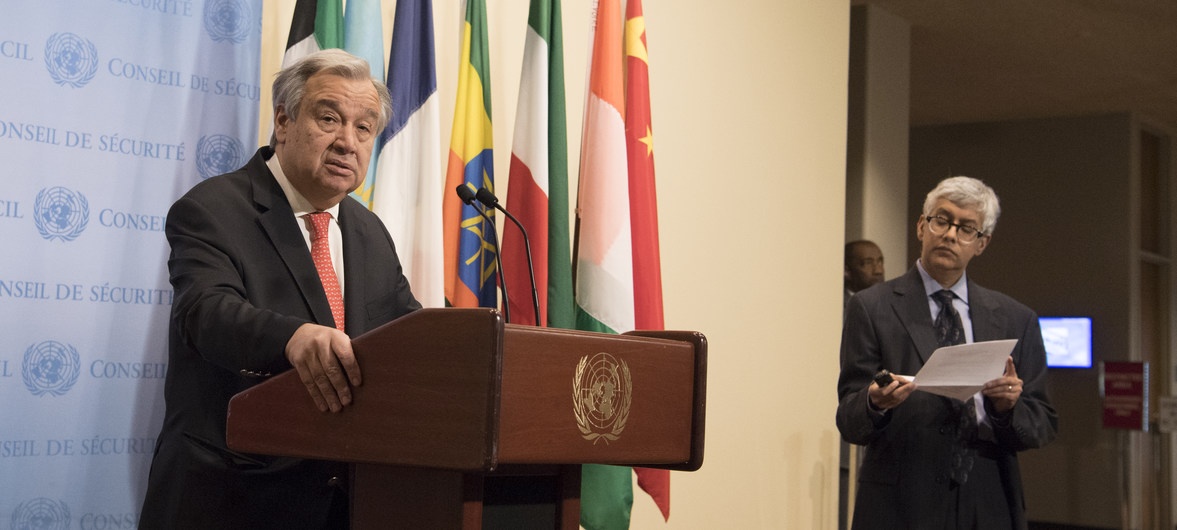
{"x": 538, "y": 192}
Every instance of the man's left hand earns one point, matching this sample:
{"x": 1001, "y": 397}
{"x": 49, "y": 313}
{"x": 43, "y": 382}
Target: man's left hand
{"x": 1005, "y": 390}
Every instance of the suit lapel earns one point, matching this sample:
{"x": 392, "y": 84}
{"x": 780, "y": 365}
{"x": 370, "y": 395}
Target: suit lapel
{"x": 353, "y": 264}
{"x": 910, "y": 303}
{"x": 277, "y": 219}
{"x": 987, "y": 315}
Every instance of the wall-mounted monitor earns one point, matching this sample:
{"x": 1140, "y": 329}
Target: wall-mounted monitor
{"x": 1067, "y": 340}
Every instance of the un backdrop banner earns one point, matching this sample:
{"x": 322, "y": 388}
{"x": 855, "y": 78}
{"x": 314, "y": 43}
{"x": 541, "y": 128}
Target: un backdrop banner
{"x": 109, "y": 111}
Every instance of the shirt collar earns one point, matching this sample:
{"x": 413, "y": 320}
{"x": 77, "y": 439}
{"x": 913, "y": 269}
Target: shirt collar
{"x": 960, "y": 288}
{"x": 298, "y": 203}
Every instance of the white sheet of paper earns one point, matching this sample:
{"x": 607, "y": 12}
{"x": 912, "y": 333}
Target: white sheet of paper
{"x": 960, "y": 371}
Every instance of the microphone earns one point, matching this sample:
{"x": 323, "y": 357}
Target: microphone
{"x": 487, "y": 198}
{"x": 467, "y": 195}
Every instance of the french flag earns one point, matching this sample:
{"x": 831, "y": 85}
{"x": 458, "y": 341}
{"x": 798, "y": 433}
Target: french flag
{"x": 408, "y": 198}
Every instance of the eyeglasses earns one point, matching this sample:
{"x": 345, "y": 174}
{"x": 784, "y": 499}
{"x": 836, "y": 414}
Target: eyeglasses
{"x": 965, "y": 233}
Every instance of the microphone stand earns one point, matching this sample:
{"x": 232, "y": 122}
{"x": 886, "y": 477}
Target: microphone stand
{"x": 467, "y": 197}
{"x": 487, "y": 198}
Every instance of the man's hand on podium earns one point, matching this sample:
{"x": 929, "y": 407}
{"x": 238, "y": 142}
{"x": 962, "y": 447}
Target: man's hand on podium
{"x": 325, "y": 363}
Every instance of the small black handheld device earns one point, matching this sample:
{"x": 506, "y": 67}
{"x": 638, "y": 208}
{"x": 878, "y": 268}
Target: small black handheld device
{"x": 883, "y": 378}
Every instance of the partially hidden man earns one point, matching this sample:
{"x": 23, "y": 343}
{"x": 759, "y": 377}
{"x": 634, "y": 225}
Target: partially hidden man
{"x": 274, "y": 268}
{"x": 934, "y": 462}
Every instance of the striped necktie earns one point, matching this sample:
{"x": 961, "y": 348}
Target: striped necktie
{"x": 950, "y": 332}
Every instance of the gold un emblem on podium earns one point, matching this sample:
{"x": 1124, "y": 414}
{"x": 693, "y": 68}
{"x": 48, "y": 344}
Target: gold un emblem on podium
{"x": 601, "y": 395}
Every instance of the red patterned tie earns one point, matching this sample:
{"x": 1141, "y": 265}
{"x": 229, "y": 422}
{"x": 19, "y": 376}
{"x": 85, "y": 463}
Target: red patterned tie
{"x": 321, "y": 252}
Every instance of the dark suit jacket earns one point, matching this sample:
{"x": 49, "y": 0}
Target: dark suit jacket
{"x": 244, "y": 281}
{"x": 903, "y": 482}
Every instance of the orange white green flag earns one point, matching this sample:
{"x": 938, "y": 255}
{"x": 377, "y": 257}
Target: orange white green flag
{"x": 603, "y": 261}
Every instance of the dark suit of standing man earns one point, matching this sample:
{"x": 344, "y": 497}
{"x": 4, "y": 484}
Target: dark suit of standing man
{"x": 250, "y": 303}
{"x": 931, "y": 461}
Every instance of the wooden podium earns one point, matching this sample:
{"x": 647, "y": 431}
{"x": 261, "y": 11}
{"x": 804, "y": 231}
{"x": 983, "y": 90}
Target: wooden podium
{"x": 465, "y": 422}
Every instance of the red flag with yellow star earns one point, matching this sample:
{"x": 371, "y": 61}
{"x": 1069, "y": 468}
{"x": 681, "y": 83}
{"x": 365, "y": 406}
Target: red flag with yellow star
{"x": 643, "y": 211}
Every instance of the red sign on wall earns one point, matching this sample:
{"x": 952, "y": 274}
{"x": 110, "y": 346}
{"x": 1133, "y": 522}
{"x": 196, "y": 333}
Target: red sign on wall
{"x": 1125, "y": 395}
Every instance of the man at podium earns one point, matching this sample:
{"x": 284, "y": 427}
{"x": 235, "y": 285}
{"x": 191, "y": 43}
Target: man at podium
{"x": 933, "y": 461}
{"x": 274, "y": 267}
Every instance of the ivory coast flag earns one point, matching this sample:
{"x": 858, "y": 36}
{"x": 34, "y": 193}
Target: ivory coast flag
{"x": 409, "y": 198}
{"x": 469, "y": 240}
{"x": 316, "y": 25}
{"x": 643, "y": 211}
{"x": 604, "y": 264}
{"x": 538, "y": 192}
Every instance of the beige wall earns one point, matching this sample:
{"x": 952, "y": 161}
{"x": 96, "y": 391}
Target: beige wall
{"x": 749, "y": 111}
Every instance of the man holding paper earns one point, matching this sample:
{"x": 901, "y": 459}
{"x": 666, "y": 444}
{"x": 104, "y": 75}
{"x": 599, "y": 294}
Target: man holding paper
{"x": 934, "y": 461}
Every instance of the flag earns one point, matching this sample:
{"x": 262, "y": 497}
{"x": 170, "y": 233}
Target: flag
{"x": 317, "y": 25}
{"x": 469, "y": 241}
{"x": 408, "y": 198}
{"x": 363, "y": 36}
{"x": 538, "y": 192}
{"x": 643, "y": 211}
{"x": 604, "y": 264}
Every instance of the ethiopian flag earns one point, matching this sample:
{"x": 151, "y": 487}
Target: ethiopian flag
{"x": 469, "y": 241}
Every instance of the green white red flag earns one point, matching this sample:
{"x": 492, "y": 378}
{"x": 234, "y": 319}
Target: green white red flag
{"x": 538, "y": 191}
